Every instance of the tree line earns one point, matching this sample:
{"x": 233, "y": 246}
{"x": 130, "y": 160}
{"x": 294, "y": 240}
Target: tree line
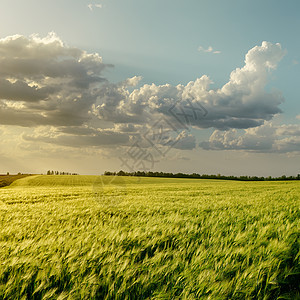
{"x": 59, "y": 173}
{"x": 198, "y": 176}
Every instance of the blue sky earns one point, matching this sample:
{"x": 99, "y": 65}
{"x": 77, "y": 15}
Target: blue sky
{"x": 163, "y": 42}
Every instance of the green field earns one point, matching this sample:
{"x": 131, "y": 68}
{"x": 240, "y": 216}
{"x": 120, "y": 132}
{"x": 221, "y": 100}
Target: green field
{"x": 85, "y": 237}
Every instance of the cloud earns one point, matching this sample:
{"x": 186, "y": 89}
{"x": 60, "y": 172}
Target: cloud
{"x": 92, "y": 6}
{"x": 52, "y": 82}
{"x": 185, "y": 141}
{"x": 242, "y": 102}
{"x": 298, "y": 117}
{"x": 208, "y": 50}
{"x": 79, "y": 138}
{"x": 265, "y": 138}
{"x": 47, "y": 84}
{"x": 292, "y": 130}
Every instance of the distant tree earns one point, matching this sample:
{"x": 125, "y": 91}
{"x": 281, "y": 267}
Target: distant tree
{"x": 7, "y": 173}
{"x": 121, "y": 173}
{"x": 48, "y": 172}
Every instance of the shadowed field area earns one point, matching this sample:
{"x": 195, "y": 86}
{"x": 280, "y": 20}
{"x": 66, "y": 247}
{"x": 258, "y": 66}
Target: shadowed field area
{"x": 6, "y": 180}
{"x": 103, "y": 237}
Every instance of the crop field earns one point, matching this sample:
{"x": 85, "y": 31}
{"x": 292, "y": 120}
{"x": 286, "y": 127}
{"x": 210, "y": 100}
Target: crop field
{"x": 102, "y": 237}
{"x": 6, "y": 180}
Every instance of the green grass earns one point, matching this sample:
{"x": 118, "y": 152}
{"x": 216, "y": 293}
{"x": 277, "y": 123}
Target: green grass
{"x": 89, "y": 237}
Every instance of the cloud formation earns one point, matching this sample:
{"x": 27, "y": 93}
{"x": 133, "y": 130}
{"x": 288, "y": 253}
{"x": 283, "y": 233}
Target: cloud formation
{"x": 45, "y": 82}
{"x": 61, "y": 92}
{"x": 208, "y": 50}
{"x": 79, "y": 137}
{"x": 242, "y": 102}
{"x": 265, "y": 138}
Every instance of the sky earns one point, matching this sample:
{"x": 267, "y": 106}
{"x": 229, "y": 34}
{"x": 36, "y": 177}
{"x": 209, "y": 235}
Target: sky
{"x": 210, "y": 87}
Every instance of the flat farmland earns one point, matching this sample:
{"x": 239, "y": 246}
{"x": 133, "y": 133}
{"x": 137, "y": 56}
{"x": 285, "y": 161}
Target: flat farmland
{"x": 103, "y": 237}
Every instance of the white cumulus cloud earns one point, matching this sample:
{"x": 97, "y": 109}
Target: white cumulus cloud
{"x": 242, "y": 102}
{"x": 265, "y": 138}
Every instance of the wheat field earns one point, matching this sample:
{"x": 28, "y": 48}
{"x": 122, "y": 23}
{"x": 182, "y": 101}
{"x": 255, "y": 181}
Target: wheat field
{"x": 104, "y": 237}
